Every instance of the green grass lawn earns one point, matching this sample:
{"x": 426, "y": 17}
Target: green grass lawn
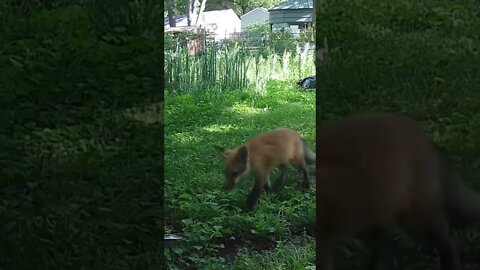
{"x": 217, "y": 231}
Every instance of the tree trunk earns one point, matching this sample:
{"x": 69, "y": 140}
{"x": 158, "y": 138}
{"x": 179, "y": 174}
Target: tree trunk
{"x": 315, "y": 5}
{"x": 244, "y": 9}
{"x": 191, "y": 12}
{"x": 200, "y": 12}
{"x": 171, "y": 14}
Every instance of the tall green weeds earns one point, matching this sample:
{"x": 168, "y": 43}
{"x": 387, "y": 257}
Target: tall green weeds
{"x": 234, "y": 67}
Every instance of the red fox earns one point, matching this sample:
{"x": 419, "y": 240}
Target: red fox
{"x": 375, "y": 170}
{"x": 258, "y": 156}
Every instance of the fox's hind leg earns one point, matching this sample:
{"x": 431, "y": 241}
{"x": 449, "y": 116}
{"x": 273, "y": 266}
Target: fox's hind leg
{"x": 434, "y": 227}
{"x": 302, "y": 167}
{"x": 441, "y": 237}
{"x": 267, "y": 187}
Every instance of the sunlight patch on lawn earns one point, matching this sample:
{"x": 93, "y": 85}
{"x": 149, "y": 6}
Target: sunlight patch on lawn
{"x": 216, "y": 128}
{"x": 151, "y": 114}
{"x": 186, "y": 137}
{"x": 62, "y": 143}
{"x": 245, "y": 109}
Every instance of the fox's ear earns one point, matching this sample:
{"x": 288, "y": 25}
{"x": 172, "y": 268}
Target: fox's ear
{"x": 242, "y": 154}
{"x": 220, "y": 151}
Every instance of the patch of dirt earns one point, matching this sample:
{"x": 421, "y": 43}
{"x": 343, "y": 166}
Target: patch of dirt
{"x": 232, "y": 246}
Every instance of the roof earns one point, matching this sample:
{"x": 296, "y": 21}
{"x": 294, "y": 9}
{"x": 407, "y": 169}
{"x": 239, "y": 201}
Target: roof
{"x": 209, "y": 17}
{"x": 295, "y": 4}
{"x": 255, "y": 9}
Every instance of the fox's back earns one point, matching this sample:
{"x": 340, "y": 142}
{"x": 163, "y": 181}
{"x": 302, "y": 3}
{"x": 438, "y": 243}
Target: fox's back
{"x": 374, "y": 169}
{"x": 275, "y": 147}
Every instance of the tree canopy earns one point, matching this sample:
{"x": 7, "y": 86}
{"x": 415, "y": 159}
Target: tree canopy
{"x": 180, "y": 7}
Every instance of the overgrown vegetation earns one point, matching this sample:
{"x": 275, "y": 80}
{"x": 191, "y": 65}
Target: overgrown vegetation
{"x": 419, "y": 58}
{"x": 213, "y": 222}
{"x": 261, "y": 37}
{"x": 81, "y": 125}
{"x": 179, "y": 7}
{"x": 234, "y": 64}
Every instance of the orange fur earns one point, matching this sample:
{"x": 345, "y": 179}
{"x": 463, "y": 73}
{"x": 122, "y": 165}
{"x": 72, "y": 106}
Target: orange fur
{"x": 261, "y": 154}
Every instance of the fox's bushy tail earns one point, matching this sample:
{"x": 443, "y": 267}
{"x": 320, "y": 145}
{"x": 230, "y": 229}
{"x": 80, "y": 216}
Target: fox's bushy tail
{"x": 310, "y": 156}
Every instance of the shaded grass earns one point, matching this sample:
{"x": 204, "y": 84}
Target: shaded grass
{"x": 72, "y": 200}
{"x": 80, "y": 186}
{"x": 196, "y": 207}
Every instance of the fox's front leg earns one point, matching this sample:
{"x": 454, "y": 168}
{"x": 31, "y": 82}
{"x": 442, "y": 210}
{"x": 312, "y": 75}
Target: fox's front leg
{"x": 261, "y": 182}
{"x": 281, "y": 179}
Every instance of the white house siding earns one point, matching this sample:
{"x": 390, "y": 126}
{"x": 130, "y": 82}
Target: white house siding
{"x": 226, "y": 22}
{"x": 223, "y": 22}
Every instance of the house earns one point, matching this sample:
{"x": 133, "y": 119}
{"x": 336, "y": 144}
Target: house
{"x": 222, "y": 23}
{"x": 256, "y": 15}
{"x": 292, "y": 15}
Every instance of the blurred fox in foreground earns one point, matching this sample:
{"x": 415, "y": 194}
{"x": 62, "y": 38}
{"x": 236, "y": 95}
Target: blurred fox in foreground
{"x": 258, "y": 156}
{"x": 379, "y": 170}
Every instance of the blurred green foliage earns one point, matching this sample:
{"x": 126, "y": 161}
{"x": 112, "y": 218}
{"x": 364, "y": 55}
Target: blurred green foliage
{"x": 418, "y": 58}
{"x": 82, "y": 134}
